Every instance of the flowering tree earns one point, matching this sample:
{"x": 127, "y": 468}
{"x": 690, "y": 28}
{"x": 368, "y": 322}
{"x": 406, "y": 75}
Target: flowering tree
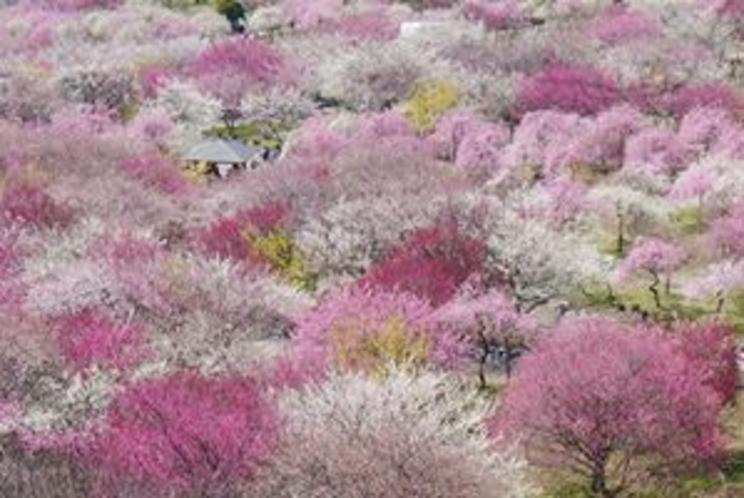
{"x": 368, "y": 330}
{"x": 714, "y": 347}
{"x": 656, "y": 257}
{"x": 729, "y": 232}
{"x": 188, "y": 433}
{"x": 631, "y": 211}
{"x": 647, "y": 408}
{"x": 229, "y": 68}
{"x": 431, "y": 264}
{"x": 538, "y": 263}
{"x": 88, "y": 339}
{"x": 569, "y": 89}
{"x": 32, "y": 206}
{"x": 406, "y": 436}
{"x": 492, "y": 324}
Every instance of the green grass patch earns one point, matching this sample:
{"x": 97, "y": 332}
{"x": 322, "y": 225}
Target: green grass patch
{"x": 641, "y": 300}
{"x": 689, "y": 220}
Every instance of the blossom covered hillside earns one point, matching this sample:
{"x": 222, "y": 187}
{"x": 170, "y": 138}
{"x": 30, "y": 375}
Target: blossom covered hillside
{"x": 371, "y": 248}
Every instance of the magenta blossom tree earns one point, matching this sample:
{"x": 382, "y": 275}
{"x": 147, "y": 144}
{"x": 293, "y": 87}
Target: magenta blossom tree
{"x": 608, "y": 402}
{"x": 581, "y": 90}
{"x": 87, "y": 339}
{"x": 188, "y": 433}
{"x": 432, "y": 264}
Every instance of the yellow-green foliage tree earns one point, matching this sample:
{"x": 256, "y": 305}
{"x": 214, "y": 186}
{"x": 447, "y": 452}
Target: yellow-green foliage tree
{"x": 278, "y": 249}
{"x": 375, "y": 348}
{"x": 430, "y": 101}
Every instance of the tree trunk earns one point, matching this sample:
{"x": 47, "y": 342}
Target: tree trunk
{"x": 620, "y": 233}
{"x": 483, "y": 343}
{"x": 654, "y": 288}
{"x": 599, "y": 480}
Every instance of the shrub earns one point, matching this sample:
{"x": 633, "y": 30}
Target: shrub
{"x": 430, "y": 101}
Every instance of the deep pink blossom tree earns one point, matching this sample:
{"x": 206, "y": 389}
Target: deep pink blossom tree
{"x": 31, "y": 206}
{"x": 607, "y": 401}
{"x": 188, "y": 433}
{"x": 432, "y": 264}
{"x": 89, "y": 339}
{"x": 228, "y": 238}
{"x": 582, "y": 90}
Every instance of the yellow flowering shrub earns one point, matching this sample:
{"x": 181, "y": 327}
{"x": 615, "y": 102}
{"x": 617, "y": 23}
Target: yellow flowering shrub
{"x": 430, "y": 101}
{"x": 279, "y": 250}
{"x": 374, "y": 349}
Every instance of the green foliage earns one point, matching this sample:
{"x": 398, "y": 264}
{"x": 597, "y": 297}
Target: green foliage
{"x": 268, "y": 136}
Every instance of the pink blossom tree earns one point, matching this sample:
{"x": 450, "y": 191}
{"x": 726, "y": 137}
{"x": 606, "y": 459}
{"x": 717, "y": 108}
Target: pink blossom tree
{"x": 657, "y": 258}
{"x": 432, "y": 264}
{"x": 714, "y": 347}
{"x": 492, "y": 324}
{"x": 620, "y": 24}
{"x": 187, "y": 433}
{"x": 607, "y": 402}
{"x": 582, "y": 90}
{"x": 728, "y": 232}
{"x": 31, "y": 206}
{"x": 88, "y": 339}
{"x": 230, "y": 68}
{"x": 493, "y": 15}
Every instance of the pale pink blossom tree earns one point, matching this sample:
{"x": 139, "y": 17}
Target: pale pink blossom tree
{"x": 656, "y": 257}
